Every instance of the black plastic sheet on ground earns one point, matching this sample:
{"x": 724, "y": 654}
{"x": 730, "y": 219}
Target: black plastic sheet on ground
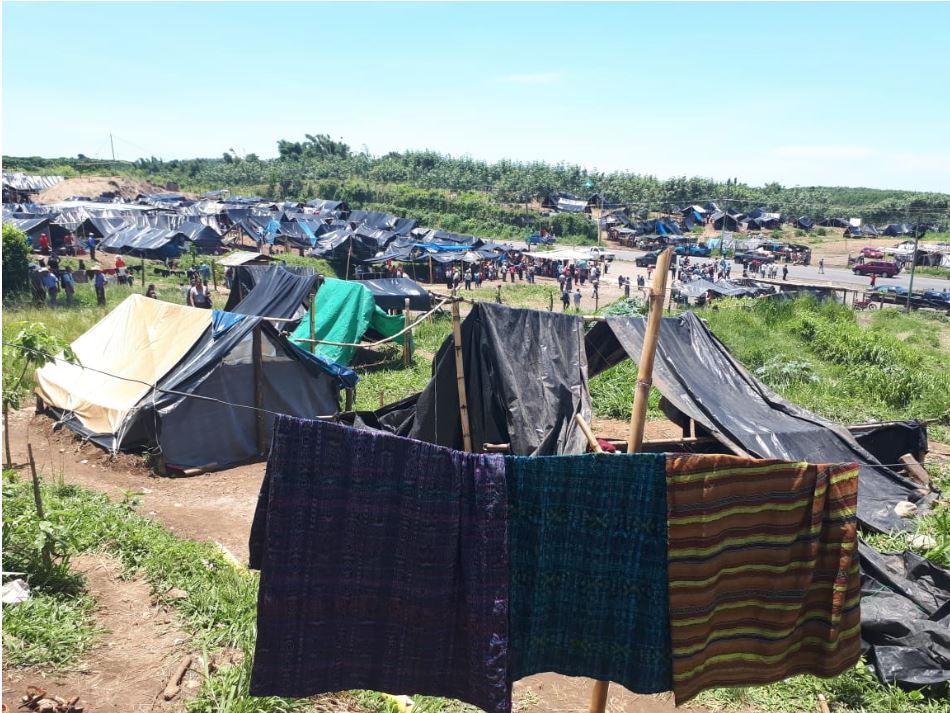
{"x": 697, "y": 375}
{"x": 905, "y": 617}
{"x": 525, "y": 379}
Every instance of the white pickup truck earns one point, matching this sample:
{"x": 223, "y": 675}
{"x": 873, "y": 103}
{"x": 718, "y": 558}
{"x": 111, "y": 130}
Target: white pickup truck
{"x": 602, "y": 254}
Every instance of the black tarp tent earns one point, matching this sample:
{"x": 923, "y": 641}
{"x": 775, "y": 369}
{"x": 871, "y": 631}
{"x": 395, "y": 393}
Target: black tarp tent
{"x": 697, "y": 375}
{"x": 392, "y": 292}
{"x": 201, "y": 412}
{"x": 522, "y": 391}
{"x": 274, "y": 290}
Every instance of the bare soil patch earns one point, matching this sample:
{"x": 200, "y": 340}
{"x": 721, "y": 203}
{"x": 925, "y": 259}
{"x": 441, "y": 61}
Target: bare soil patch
{"x": 552, "y": 693}
{"x": 128, "y": 668}
{"x": 94, "y": 186}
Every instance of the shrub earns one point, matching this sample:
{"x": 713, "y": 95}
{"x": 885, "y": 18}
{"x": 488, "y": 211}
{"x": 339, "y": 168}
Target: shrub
{"x": 821, "y": 232}
{"x": 16, "y": 262}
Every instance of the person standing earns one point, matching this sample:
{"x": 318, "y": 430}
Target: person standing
{"x": 821, "y": 266}
{"x": 577, "y": 299}
{"x": 873, "y": 279}
{"x": 51, "y": 284}
{"x": 91, "y": 244}
{"x": 100, "y": 284}
{"x": 44, "y": 243}
{"x": 468, "y": 278}
{"x": 69, "y": 285}
{"x": 565, "y": 299}
{"x": 785, "y": 272}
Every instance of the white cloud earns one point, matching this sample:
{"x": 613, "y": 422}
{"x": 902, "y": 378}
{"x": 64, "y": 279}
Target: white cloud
{"x": 535, "y": 78}
{"x": 823, "y": 151}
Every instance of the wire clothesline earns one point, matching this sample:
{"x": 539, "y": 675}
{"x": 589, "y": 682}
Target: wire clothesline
{"x": 386, "y": 340}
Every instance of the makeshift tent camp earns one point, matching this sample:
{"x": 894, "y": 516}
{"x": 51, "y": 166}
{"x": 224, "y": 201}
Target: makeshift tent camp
{"x": 202, "y": 410}
{"x": 698, "y": 376}
{"x": 343, "y": 313}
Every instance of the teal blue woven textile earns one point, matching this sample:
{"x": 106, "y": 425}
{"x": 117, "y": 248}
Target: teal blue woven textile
{"x": 588, "y": 568}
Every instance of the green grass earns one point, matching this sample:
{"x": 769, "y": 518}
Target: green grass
{"x": 219, "y": 613}
{"x": 856, "y": 690}
{"x": 943, "y": 272}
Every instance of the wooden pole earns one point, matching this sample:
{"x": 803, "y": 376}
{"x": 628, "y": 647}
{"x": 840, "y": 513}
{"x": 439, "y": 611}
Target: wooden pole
{"x": 431, "y": 280}
{"x": 588, "y": 434}
{"x": 598, "y": 699}
{"x": 349, "y": 254}
{"x": 38, "y": 499}
{"x": 460, "y": 376}
{"x": 143, "y": 271}
{"x": 261, "y": 430}
{"x": 498, "y": 294}
{"x": 312, "y": 318}
{"x": 8, "y": 462}
{"x": 214, "y": 275}
{"x": 407, "y": 336}
{"x": 650, "y": 339}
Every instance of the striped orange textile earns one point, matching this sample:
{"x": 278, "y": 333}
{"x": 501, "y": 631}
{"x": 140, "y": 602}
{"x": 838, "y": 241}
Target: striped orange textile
{"x": 763, "y": 571}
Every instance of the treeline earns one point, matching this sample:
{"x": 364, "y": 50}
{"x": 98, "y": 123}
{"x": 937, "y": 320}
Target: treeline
{"x": 303, "y": 166}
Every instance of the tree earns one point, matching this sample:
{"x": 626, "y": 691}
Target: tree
{"x": 16, "y": 262}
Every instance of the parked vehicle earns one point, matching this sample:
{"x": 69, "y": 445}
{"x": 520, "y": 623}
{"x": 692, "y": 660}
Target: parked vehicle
{"x": 648, "y": 259}
{"x": 693, "y": 250}
{"x": 742, "y": 258}
{"x": 537, "y": 239}
{"x": 872, "y": 253}
{"x": 876, "y": 267}
{"x": 602, "y": 254}
{"x": 890, "y": 290}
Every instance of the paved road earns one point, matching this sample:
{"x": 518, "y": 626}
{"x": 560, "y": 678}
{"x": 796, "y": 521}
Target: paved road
{"x": 809, "y": 274}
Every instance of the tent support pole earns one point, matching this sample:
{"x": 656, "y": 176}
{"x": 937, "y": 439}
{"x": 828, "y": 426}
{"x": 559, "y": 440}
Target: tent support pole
{"x": 143, "y": 271}
{"x": 259, "y": 388}
{"x": 430, "y": 271}
{"x": 460, "y": 376}
{"x": 598, "y": 699}
{"x": 350, "y": 396}
{"x": 312, "y": 318}
{"x": 407, "y": 336}
{"x": 214, "y": 275}
{"x": 349, "y": 254}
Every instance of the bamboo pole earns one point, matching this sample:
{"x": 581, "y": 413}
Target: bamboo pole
{"x": 312, "y": 318}
{"x": 598, "y": 699}
{"x": 408, "y": 334}
{"x": 460, "y": 376}
{"x": 647, "y": 356}
{"x": 261, "y": 431}
{"x": 588, "y": 434}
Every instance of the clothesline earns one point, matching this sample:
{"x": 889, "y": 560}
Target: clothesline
{"x": 381, "y": 341}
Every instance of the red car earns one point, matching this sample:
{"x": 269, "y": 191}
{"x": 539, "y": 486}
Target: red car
{"x": 876, "y": 267}
{"x": 872, "y": 253}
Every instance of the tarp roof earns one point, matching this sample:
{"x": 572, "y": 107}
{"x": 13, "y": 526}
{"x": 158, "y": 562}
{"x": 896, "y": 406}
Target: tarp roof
{"x": 141, "y": 340}
{"x": 278, "y": 291}
{"x": 391, "y": 293}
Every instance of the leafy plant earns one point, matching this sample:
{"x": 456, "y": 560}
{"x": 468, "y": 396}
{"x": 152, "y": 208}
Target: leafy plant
{"x": 32, "y": 348}
{"x": 16, "y": 263}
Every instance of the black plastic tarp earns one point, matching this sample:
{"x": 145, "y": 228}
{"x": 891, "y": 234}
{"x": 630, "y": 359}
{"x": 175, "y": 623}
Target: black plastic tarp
{"x": 391, "y": 293}
{"x": 696, "y": 373}
{"x": 277, "y": 292}
{"x": 905, "y": 617}
{"x": 525, "y": 379}
{"x": 889, "y": 441}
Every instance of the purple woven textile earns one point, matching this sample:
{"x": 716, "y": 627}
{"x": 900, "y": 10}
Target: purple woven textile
{"x": 384, "y": 566}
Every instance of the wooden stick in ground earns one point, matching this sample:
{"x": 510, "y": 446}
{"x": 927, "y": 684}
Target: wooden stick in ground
{"x": 407, "y": 336}
{"x": 38, "y": 499}
{"x": 588, "y": 434}
{"x": 460, "y": 376}
{"x": 647, "y": 356}
{"x": 823, "y": 703}
{"x": 598, "y": 699}
{"x": 174, "y": 683}
{"x": 8, "y": 459}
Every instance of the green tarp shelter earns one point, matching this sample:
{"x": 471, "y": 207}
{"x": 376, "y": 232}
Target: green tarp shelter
{"x": 344, "y": 312}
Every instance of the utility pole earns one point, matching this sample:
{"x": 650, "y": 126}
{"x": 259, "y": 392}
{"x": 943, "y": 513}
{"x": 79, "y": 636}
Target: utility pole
{"x": 913, "y": 263}
{"x": 112, "y": 144}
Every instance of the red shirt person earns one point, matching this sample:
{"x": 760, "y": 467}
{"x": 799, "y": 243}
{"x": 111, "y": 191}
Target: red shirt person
{"x": 44, "y": 243}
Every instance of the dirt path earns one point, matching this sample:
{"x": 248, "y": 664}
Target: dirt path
{"x": 215, "y": 507}
{"x": 130, "y": 664}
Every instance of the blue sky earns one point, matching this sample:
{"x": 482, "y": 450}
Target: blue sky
{"x": 803, "y": 94}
